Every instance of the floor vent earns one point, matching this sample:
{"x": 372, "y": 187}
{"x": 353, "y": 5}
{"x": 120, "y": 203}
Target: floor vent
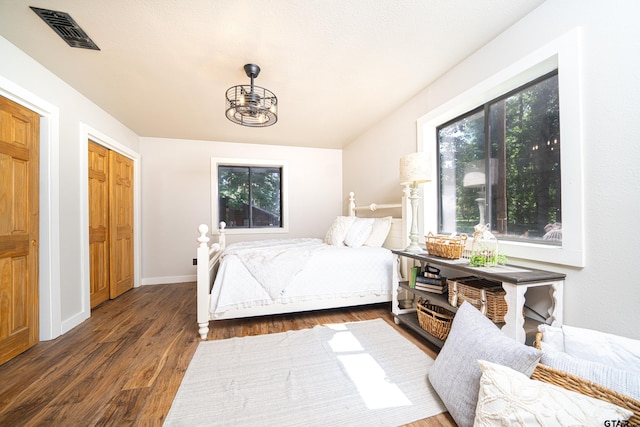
{"x": 64, "y": 25}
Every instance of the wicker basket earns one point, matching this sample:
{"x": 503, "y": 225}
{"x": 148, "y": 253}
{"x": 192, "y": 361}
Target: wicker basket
{"x": 485, "y": 295}
{"x": 445, "y": 246}
{"x": 434, "y": 319}
{"x": 572, "y": 382}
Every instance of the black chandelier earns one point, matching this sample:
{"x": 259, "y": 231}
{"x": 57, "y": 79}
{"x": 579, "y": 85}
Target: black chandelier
{"x": 250, "y": 105}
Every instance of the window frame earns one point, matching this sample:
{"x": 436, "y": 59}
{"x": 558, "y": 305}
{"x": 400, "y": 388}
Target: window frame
{"x": 485, "y": 109}
{"x": 563, "y": 54}
{"x": 282, "y": 165}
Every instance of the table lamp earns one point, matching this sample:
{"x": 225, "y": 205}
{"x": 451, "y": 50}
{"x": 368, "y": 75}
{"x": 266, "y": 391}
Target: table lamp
{"x": 415, "y": 168}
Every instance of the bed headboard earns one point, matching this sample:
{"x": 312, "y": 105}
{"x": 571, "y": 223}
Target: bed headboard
{"x": 398, "y": 237}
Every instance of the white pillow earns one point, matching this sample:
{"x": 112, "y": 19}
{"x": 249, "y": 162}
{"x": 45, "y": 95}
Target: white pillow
{"x": 622, "y": 381}
{"x": 587, "y": 344}
{"x": 338, "y": 230}
{"x": 613, "y": 350}
{"x": 553, "y": 336}
{"x": 379, "y": 232}
{"x": 359, "y": 232}
{"x": 509, "y": 398}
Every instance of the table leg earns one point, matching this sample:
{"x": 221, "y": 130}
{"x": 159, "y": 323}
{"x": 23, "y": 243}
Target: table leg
{"x": 514, "y": 319}
{"x": 556, "y": 291}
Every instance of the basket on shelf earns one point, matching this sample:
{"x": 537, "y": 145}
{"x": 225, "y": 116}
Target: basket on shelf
{"x": 434, "y": 319}
{"x": 485, "y": 295}
{"x": 445, "y": 246}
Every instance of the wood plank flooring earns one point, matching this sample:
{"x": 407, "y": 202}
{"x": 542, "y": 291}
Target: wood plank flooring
{"x": 123, "y": 366}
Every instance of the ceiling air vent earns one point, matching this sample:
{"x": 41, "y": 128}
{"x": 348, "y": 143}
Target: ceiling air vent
{"x": 64, "y": 25}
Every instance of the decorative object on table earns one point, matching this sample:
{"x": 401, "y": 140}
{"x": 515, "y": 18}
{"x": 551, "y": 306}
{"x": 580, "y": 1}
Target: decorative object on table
{"x": 446, "y": 246}
{"x": 485, "y": 295}
{"x": 413, "y": 275}
{"x": 415, "y": 169}
{"x": 485, "y": 248}
{"x": 434, "y": 319}
{"x": 250, "y": 105}
{"x": 430, "y": 280}
{"x": 553, "y": 232}
{"x": 405, "y": 304}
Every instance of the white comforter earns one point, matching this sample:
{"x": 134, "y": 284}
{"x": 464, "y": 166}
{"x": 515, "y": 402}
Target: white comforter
{"x": 288, "y": 270}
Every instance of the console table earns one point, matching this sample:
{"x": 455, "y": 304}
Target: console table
{"x": 515, "y": 281}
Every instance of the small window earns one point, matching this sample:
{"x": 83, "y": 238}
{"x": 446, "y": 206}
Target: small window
{"x": 500, "y": 165}
{"x": 250, "y": 196}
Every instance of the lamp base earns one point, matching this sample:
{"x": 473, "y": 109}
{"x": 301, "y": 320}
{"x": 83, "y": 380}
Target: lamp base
{"x": 414, "y": 248}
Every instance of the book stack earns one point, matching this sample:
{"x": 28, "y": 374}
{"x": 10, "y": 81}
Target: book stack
{"x": 428, "y": 280}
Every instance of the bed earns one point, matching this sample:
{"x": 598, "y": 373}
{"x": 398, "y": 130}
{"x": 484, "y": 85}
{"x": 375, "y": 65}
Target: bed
{"x": 279, "y": 276}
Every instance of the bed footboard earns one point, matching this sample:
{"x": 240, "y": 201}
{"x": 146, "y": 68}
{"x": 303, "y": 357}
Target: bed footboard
{"x": 207, "y": 258}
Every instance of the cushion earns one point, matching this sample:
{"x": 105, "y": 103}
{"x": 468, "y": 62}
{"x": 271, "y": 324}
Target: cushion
{"x": 553, "y": 336}
{"x": 587, "y": 344}
{"x": 509, "y": 398}
{"x": 338, "y": 230}
{"x": 622, "y": 381}
{"x": 613, "y": 350}
{"x": 359, "y": 232}
{"x": 455, "y": 374}
{"x": 379, "y": 232}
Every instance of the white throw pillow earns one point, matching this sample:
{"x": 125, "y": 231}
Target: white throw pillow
{"x": 612, "y": 350}
{"x": 552, "y": 336}
{"x": 359, "y": 232}
{"x": 338, "y": 230}
{"x": 379, "y": 232}
{"x": 509, "y": 398}
{"x": 588, "y": 344}
{"x": 622, "y": 381}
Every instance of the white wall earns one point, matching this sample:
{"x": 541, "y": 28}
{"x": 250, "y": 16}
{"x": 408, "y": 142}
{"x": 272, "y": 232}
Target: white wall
{"x": 176, "y": 198}
{"x": 605, "y": 294}
{"x": 24, "y": 79}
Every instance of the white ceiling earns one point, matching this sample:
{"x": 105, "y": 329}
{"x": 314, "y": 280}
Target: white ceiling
{"x": 337, "y": 66}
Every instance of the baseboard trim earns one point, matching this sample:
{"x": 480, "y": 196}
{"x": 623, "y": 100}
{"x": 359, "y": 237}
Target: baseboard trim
{"x": 73, "y": 321}
{"x": 167, "y": 280}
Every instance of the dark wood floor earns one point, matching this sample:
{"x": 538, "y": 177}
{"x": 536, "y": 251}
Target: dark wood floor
{"x": 123, "y": 366}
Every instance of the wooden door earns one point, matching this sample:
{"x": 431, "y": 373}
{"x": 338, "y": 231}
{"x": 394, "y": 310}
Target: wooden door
{"x": 98, "y": 223}
{"x": 120, "y": 223}
{"x": 19, "y": 152}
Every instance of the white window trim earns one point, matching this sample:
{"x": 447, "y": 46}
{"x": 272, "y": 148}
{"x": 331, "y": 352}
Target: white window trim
{"x": 217, "y": 161}
{"x": 564, "y": 54}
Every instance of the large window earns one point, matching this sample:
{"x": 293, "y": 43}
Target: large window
{"x": 500, "y": 165}
{"x": 563, "y": 216}
{"x": 249, "y": 195}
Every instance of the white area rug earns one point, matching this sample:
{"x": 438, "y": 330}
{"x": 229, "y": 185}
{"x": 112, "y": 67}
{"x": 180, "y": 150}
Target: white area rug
{"x": 355, "y": 374}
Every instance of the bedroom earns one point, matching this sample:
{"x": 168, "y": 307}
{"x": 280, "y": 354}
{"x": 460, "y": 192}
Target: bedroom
{"x": 602, "y": 294}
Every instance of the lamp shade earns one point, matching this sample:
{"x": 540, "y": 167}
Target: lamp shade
{"x": 415, "y": 168}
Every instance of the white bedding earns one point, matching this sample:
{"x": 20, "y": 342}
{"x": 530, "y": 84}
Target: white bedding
{"x": 329, "y": 272}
